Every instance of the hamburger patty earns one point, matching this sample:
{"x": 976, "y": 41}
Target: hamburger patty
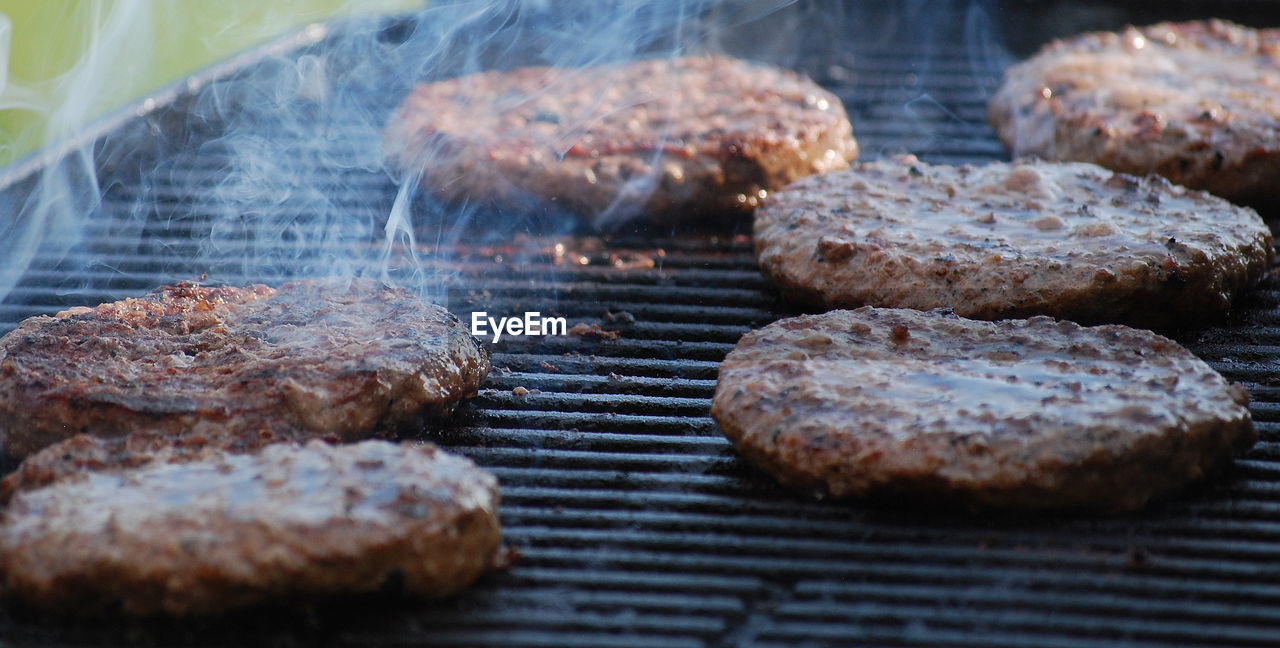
{"x": 1070, "y": 240}
{"x": 245, "y": 365}
{"x": 1196, "y": 102}
{"x": 84, "y": 453}
{"x": 223, "y": 532}
{"x": 1029, "y": 414}
{"x": 664, "y": 138}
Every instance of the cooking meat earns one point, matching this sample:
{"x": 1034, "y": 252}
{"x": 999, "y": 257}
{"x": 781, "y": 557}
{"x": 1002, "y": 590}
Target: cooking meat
{"x": 1070, "y": 240}
{"x": 669, "y": 139}
{"x": 291, "y": 522}
{"x": 71, "y": 458}
{"x": 340, "y": 359}
{"x": 1196, "y": 102}
{"x": 1026, "y": 414}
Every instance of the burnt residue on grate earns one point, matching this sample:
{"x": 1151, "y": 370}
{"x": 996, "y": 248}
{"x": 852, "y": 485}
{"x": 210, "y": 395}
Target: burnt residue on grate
{"x": 636, "y": 523}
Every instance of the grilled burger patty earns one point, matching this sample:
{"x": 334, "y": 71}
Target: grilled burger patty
{"x": 292, "y": 521}
{"x": 243, "y": 365}
{"x": 1029, "y": 414}
{"x": 1070, "y": 240}
{"x": 84, "y": 453}
{"x": 664, "y": 138}
{"x": 1197, "y": 102}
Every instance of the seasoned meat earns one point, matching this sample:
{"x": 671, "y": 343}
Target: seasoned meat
{"x": 669, "y": 139}
{"x": 341, "y": 359}
{"x": 1025, "y": 414}
{"x": 291, "y": 522}
{"x": 1196, "y": 102}
{"x": 1069, "y": 240}
{"x": 84, "y": 453}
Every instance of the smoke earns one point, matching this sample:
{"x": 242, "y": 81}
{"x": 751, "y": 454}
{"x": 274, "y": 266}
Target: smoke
{"x": 48, "y": 211}
{"x": 273, "y": 166}
{"x": 300, "y": 183}
{"x": 276, "y": 170}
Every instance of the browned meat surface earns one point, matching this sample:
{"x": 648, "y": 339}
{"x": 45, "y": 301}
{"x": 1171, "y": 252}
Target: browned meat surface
{"x": 1071, "y": 240}
{"x": 84, "y": 453}
{"x": 1027, "y": 414}
{"x": 290, "y": 522}
{"x": 240, "y": 366}
{"x": 1196, "y": 102}
{"x": 669, "y": 139}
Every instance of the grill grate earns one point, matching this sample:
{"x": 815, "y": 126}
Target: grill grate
{"x": 637, "y": 523}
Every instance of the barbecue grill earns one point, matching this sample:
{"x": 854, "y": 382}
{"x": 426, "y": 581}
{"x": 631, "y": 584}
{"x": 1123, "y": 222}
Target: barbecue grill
{"x": 635, "y": 521}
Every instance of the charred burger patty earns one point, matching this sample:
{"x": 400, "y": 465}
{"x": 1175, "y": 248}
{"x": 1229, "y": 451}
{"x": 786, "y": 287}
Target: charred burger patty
{"x": 85, "y": 453}
{"x": 338, "y": 359}
{"x": 230, "y": 530}
{"x": 1027, "y": 414}
{"x": 1196, "y": 102}
{"x": 663, "y": 138}
{"x": 1070, "y": 240}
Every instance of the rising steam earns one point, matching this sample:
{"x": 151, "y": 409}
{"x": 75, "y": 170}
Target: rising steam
{"x": 277, "y": 169}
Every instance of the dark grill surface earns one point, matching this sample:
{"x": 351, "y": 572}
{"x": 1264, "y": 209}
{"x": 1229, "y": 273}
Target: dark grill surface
{"x": 636, "y": 522}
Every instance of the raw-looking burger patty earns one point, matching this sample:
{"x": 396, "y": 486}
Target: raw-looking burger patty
{"x": 1071, "y": 240}
{"x": 342, "y": 359}
{"x": 291, "y": 522}
{"x": 1197, "y": 102}
{"x": 665, "y": 138}
{"x": 1026, "y": 414}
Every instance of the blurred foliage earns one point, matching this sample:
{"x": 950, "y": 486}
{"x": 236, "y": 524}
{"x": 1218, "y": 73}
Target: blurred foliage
{"x": 65, "y": 62}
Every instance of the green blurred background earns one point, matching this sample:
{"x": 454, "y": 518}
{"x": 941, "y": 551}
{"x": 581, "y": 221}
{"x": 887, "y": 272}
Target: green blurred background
{"x": 64, "y": 63}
